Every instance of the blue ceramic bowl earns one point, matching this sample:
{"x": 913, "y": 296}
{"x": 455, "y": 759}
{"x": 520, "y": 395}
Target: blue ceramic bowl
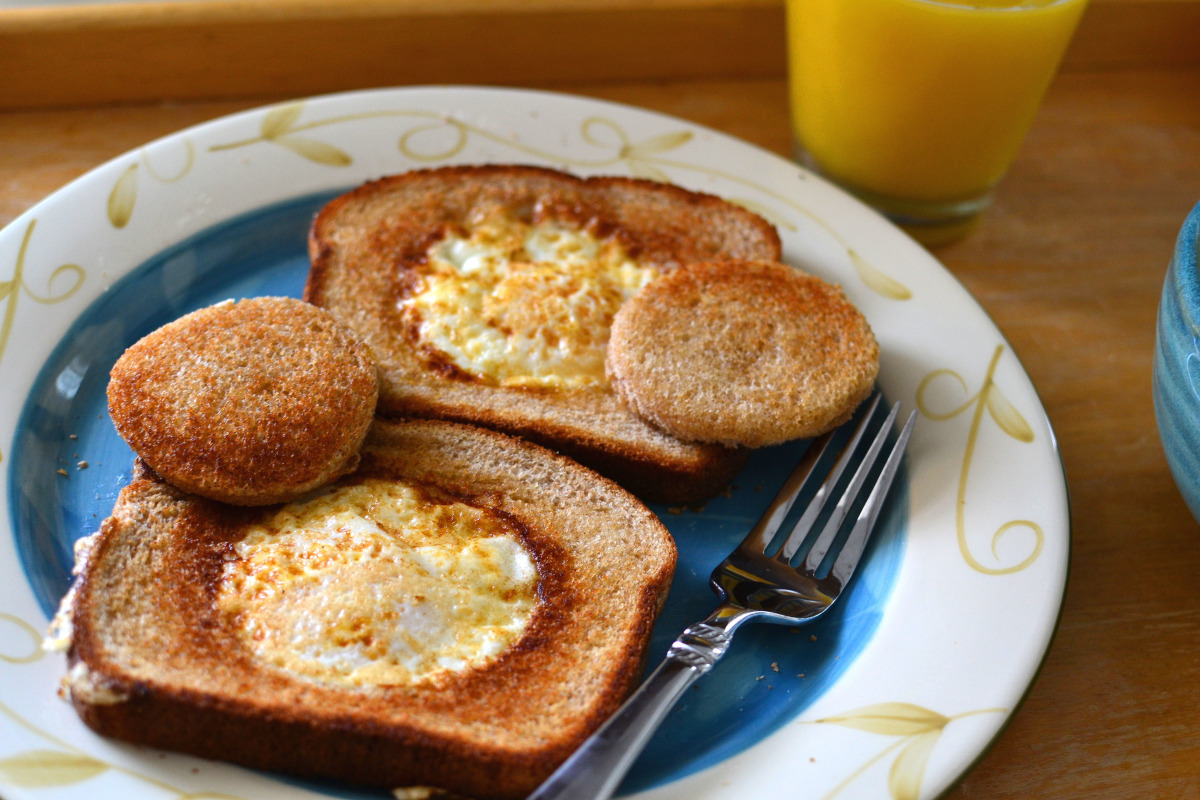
{"x": 1177, "y": 364}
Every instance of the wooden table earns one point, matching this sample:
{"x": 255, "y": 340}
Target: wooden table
{"x": 1069, "y": 263}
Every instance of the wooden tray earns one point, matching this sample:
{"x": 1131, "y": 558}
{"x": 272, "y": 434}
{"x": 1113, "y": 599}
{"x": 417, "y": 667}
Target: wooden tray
{"x": 224, "y": 49}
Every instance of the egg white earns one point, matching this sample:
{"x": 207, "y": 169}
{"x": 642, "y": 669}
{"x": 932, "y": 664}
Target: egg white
{"x": 377, "y": 584}
{"x": 521, "y": 304}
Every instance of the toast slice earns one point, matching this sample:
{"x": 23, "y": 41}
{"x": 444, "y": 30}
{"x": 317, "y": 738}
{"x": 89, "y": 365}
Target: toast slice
{"x": 182, "y": 635}
{"x": 486, "y": 294}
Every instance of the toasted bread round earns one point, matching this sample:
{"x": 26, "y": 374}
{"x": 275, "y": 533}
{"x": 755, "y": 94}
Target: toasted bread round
{"x": 249, "y": 402}
{"x": 154, "y": 659}
{"x": 747, "y": 353}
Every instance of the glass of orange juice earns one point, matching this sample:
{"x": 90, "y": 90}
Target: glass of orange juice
{"x": 919, "y": 107}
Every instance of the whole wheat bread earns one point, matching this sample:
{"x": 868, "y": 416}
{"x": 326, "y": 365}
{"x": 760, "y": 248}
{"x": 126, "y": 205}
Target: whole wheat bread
{"x": 366, "y": 248}
{"x": 249, "y": 402}
{"x": 748, "y": 353}
{"x": 153, "y": 662}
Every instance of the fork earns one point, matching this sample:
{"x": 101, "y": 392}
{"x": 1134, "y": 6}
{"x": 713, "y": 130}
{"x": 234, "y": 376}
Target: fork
{"x": 794, "y": 583}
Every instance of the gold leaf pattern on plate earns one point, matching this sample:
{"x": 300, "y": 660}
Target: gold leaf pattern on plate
{"x": 878, "y": 281}
{"x": 1010, "y": 421}
{"x": 656, "y": 144}
{"x": 649, "y": 172}
{"x": 42, "y": 768}
{"x": 12, "y": 288}
{"x": 36, "y": 651}
{"x": 280, "y": 125}
{"x": 315, "y": 150}
{"x": 908, "y": 770}
{"x": 890, "y": 719}
{"x": 123, "y": 197}
{"x": 280, "y": 120}
{"x": 917, "y": 731}
{"x": 10, "y": 291}
{"x": 644, "y": 159}
{"x": 1007, "y": 417}
{"x": 461, "y": 137}
{"x": 188, "y": 163}
{"x": 597, "y": 130}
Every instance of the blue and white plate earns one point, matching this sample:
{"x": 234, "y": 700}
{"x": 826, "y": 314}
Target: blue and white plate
{"x": 894, "y": 696}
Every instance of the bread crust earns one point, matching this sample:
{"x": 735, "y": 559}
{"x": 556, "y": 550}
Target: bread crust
{"x": 147, "y": 631}
{"x": 249, "y": 402}
{"x": 744, "y": 353}
{"x": 363, "y": 248}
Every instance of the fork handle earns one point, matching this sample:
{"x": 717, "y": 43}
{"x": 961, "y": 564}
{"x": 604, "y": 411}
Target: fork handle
{"x": 595, "y": 770}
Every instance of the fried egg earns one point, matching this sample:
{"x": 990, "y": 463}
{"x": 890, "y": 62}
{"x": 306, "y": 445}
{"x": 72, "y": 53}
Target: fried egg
{"x": 378, "y": 583}
{"x": 520, "y": 304}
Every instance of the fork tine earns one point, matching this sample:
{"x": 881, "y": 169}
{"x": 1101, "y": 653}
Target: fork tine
{"x": 846, "y": 561}
{"x": 764, "y": 531}
{"x": 804, "y": 525}
{"x": 819, "y": 549}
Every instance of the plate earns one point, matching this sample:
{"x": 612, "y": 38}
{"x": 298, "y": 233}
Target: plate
{"x": 896, "y": 695}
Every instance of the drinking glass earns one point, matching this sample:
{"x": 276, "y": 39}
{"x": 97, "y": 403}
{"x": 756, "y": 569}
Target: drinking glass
{"x": 919, "y": 107}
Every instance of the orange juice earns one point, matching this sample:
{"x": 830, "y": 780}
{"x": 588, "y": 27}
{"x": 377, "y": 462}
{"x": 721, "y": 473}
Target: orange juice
{"x": 917, "y": 100}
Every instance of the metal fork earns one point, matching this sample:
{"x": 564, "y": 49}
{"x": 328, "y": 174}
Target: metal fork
{"x": 756, "y": 582}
